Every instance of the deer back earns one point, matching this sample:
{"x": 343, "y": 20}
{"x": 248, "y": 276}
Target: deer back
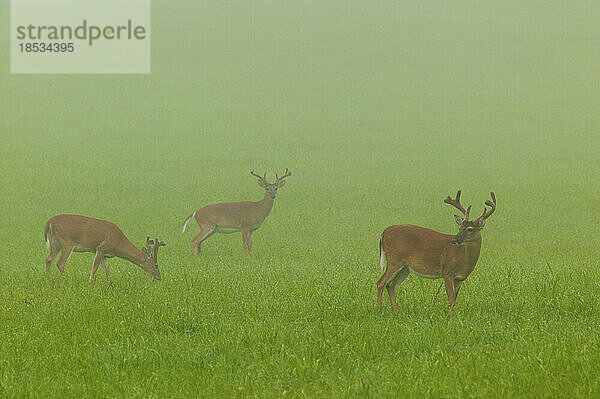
{"x": 427, "y": 252}
{"x": 236, "y": 214}
{"x": 420, "y": 248}
{"x": 88, "y": 232}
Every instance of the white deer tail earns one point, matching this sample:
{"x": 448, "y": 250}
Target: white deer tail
{"x": 48, "y": 233}
{"x": 381, "y": 255}
{"x": 187, "y": 221}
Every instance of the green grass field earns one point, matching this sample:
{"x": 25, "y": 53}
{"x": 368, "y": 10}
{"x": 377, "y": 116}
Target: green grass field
{"x": 379, "y": 110}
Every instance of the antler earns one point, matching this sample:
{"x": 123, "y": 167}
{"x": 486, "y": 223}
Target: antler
{"x": 156, "y": 246}
{"x": 492, "y": 206}
{"x": 147, "y": 250}
{"x": 261, "y": 178}
{"x": 286, "y": 174}
{"x": 456, "y": 203}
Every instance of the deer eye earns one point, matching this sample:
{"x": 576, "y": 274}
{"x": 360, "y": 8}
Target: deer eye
{"x": 469, "y": 229}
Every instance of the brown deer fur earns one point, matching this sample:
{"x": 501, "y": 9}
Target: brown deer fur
{"x": 73, "y": 233}
{"x": 430, "y": 254}
{"x": 232, "y": 217}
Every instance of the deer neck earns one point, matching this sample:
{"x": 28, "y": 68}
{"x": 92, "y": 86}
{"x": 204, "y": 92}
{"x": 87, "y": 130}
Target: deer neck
{"x": 131, "y": 253}
{"x": 266, "y": 204}
{"x": 471, "y": 251}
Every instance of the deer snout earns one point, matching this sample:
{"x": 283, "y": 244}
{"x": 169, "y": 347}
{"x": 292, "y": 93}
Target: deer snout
{"x": 153, "y": 274}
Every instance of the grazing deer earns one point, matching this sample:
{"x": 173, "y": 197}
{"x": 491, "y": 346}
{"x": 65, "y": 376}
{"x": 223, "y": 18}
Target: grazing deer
{"x": 429, "y": 254}
{"x": 72, "y": 233}
{"x": 232, "y": 217}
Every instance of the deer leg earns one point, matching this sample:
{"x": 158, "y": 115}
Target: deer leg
{"x": 205, "y": 232}
{"x": 394, "y": 281}
{"x": 97, "y": 260}
{"x": 450, "y": 291}
{"x": 383, "y": 282}
{"x": 246, "y": 238}
{"x": 104, "y": 263}
{"x": 457, "y": 284}
{"x": 53, "y": 252}
{"x": 65, "y": 253}
{"x": 250, "y": 240}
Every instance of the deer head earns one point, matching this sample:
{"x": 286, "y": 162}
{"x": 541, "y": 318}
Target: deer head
{"x": 150, "y": 251}
{"x": 468, "y": 230}
{"x": 271, "y": 188}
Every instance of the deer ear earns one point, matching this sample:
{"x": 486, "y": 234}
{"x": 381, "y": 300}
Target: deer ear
{"x": 262, "y": 184}
{"x": 481, "y": 223}
{"x": 281, "y": 184}
{"x": 458, "y": 219}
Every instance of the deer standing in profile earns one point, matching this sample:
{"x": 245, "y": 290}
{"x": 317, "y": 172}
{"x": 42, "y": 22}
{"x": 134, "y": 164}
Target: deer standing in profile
{"x": 72, "y": 233}
{"x": 429, "y": 254}
{"x": 232, "y": 217}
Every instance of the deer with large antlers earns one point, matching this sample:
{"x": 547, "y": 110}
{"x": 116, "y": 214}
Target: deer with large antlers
{"x": 72, "y": 233}
{"x": 232, "y": 217}
{"x": 429, "y": 254}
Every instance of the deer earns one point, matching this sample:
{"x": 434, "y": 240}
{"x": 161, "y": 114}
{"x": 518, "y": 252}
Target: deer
{"x": 66, "y": 234}
{"x": 427, "y": 253}
{"x": 227, "y": 218}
